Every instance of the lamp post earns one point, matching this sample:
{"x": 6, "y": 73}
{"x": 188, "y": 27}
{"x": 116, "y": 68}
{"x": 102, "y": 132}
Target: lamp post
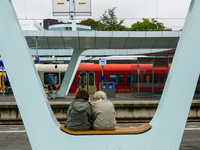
{"x": 72, "y": 14}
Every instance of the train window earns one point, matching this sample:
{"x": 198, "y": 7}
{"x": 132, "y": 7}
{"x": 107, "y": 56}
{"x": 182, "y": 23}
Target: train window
{"x": 51, "y": 77}
{"x": 155, "y": 78}
{"x": 163, "y": 78}
{"x": 91, "y": 79}
{"x": 62, "y": 76}
{"x": 133, "y": 79}
{"x": 105, "y": 78}
{"x": 118, "y": 79}
{"x": 147, "y": 79}
{"x": 84, "y": 77}
{"x": 1, "y": 79}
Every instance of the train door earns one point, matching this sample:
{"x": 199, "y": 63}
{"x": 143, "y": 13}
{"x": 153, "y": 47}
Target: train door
{"x": 89, "y": 81}
{"x": 1, "y": 87}
{"x": 145, "y": 87}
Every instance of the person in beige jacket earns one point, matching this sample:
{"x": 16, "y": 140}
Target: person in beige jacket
{"x": 103, "y": 112}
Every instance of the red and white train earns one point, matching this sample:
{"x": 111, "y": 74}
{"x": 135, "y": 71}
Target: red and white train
{"x": 127, "y": 77}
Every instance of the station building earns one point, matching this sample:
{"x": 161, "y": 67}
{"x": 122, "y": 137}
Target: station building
{"x": 55, "y": 25}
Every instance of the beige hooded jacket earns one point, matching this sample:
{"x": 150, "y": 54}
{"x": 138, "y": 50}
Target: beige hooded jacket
{"x": 103, "y": 115}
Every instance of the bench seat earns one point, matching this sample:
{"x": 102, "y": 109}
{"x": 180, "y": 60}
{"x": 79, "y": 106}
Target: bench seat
{"x": 122, "y": 130}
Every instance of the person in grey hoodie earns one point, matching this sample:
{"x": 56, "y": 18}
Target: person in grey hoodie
{"x": 103, "y": 112}
{"x": 79, "y": 113}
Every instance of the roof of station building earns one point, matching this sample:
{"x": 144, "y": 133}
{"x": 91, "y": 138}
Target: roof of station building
{"x": 102, "y": 39}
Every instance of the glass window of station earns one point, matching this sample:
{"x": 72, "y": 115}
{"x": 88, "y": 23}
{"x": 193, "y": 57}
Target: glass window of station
{"x": 68, "y": 29}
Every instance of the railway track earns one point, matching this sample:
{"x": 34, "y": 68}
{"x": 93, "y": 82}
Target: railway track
{"x": 19, "y": 121}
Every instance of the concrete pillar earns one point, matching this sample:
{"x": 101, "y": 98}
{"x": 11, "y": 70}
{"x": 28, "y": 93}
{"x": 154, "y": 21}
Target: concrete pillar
{"x": 70, "y": 73}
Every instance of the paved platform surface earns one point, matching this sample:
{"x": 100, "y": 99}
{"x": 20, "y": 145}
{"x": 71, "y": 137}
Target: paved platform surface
{"x": 70, "y": 97}
{"x": 119, "y": 99}
{"x": 14, "y": 137}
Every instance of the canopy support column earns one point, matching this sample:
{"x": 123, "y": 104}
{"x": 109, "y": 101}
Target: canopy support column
{"x": 70, "y": 73}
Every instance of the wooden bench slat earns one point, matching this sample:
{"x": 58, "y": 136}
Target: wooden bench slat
{"x": 123, "y": 130}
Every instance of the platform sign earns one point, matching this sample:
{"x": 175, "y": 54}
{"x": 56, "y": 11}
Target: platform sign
{"x": 102, "y": 78}
{"x": 102, "y": 61}
{"x": 62, "y": 8}
{"x": 37, "y": 60}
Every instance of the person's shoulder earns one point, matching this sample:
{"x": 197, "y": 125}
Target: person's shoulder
{"x": 108, "y": 101}
{"x": 98, "y": 102}
{"x": 72, "y": 103}
{"x": 93, "y": 103}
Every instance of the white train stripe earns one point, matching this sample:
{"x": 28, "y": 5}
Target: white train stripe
{"x": 192, "y": 128}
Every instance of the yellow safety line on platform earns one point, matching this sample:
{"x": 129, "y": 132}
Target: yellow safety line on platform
{"x": 60, "y": 3}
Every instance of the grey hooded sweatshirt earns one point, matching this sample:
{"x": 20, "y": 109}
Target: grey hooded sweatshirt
{"x": 78, "y": 116}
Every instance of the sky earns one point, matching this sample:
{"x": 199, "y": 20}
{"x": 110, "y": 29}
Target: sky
{"x": 171, "y": 12}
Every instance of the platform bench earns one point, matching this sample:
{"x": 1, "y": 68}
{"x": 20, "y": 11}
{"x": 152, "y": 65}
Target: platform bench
{"x": 121, "y": 130}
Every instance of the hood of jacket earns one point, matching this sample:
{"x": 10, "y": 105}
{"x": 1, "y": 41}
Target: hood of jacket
{"x": 80, "y": 105}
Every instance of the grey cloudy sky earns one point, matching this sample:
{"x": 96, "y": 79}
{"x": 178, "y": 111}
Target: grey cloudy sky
{"x": 171, "y": 12}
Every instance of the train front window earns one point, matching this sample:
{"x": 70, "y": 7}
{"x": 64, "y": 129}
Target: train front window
{"x": 132, "y": 79}
{"x": 62, "y": 76}
{"x": 51, "y": 77}
{"x": 118, "y": 79}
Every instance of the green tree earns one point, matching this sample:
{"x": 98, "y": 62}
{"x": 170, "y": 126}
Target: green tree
{"x": 147, "y": 25}
{"x": 90, "y": 22}
{"x": 108, "y": 22}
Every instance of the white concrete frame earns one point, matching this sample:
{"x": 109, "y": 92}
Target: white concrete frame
{"x": 40, "y": 123}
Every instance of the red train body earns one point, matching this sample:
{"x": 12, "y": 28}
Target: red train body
{"x": 126, "y": 77}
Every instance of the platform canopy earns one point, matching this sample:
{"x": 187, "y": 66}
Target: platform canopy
{"x": 102, "y": 39}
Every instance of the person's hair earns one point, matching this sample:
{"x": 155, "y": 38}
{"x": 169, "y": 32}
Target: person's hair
{"x": 80, "y": 74}
{"x": 50, "y": 82}
{"x": 82, "y": 95}
{"x": 100, "y": 94}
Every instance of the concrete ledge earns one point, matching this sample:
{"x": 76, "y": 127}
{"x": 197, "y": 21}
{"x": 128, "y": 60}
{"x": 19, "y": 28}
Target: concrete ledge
{"x": 9, "y": 110}
{"x": 129, "y": 104}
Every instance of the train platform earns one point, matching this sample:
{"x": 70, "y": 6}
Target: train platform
{"x": 14, "y": 137}
{"x": 125, "y": 98}
{"x": 126, "y": 106}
